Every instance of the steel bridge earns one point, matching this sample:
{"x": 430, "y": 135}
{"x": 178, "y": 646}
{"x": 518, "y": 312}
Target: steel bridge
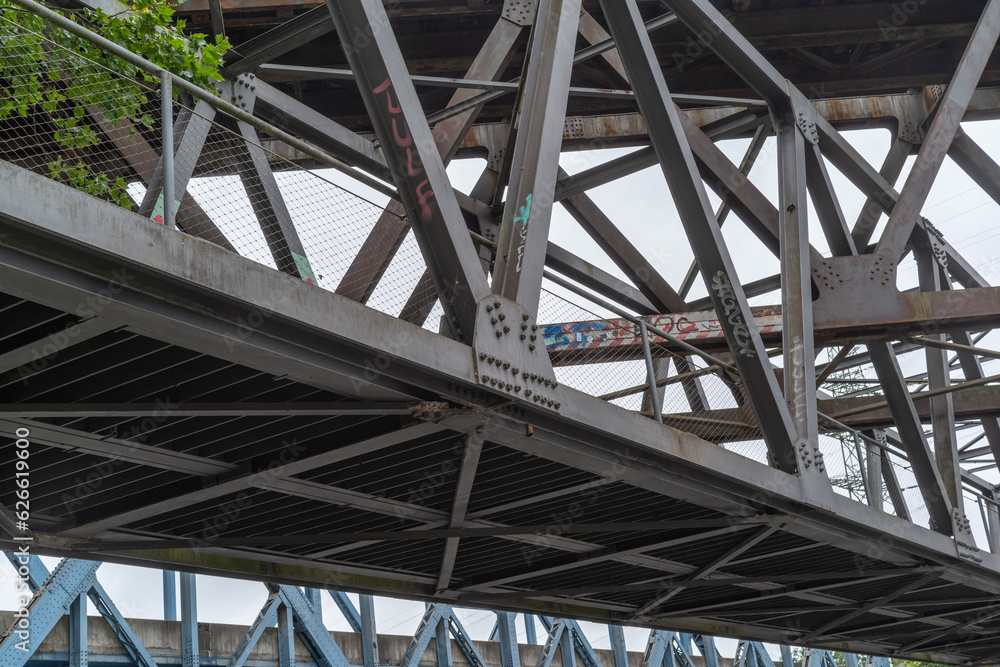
{"x": 417, "y": 392}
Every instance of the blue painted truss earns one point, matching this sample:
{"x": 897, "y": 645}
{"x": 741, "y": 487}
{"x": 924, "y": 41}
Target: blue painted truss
{"x": 295, "y": 612}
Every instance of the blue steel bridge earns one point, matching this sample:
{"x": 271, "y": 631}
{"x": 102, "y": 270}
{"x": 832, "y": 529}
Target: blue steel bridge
{"x": 261, "y": 335}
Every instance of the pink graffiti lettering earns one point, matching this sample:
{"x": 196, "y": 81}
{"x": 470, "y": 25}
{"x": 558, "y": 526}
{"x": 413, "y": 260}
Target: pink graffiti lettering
{"x": 424, "y": 200}
{"x": 404, "y": 139}
{"x": 384, "y": 88}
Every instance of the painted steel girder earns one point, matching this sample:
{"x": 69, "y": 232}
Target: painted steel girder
{"x": 71, "y": 579}
{"x": 857, "y": 317}
{"x": 413, "y": 159}
{"x": 534, "y": 165}
{"x": 678, "y": 165}
{"x": 729, "y": 424}
{"x": 37, "y": 576}
{"x": 309, "y": 627}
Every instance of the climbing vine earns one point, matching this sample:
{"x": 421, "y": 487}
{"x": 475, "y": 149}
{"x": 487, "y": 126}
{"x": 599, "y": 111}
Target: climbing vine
{"x": 46, "y": 70}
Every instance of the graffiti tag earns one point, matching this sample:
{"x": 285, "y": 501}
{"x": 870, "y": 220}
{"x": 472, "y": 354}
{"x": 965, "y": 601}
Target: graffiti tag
{"x": 741, "y": 335}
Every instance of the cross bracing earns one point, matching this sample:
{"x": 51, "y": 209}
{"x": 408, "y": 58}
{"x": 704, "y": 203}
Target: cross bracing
{"x": 243, "y": 390}
{"x": 290, "y": 629}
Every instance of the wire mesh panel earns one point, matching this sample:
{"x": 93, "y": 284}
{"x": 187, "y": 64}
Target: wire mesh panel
{"x": 92, "y": 121}
{"x": 76, "y": 117}
{"x": 601, "y": 354}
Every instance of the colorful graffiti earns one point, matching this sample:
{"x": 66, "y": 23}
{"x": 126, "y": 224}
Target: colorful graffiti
{"x": 702, "y": 325}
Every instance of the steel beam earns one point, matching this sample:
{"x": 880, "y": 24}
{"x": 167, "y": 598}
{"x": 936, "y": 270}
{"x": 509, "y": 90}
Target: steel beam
{"x": 489, "y": 64}
{"x": 617, "y": 634}
{"x": 734, "y": 49}
{"x": 442, "y": 641}
{"x": 266, "y": 618}
{"x": 881, "y": 601}
{"x": 268, "y": 203}
{"x": 310, "y": 628}
{"x": 949, "y": 113}
{"x": 932, "y": 277}
{"x": 286, "y": 637}
{"x": 798, "y": 344}
{"x": 657, "y": 647}
{"x": 416, "y": 166}
{"x": 552, "y": 641}
{"x": 390, "y": 230}
{"x": 871, "y": 212}
{"x": 746, "y": 164}
{"x": 70, "y": 579}
{"x": 426, "y": 630}
{"x": 524, "y": 230}
{"x": 190, "y": 132}
{"x": 275, "y": 106}
{"x": 369, "y": 633}
{"x": 190, "y": 653}
{"x": 314, "y": 595}
{"x": 74, "y": 334}
{"x": 460, "y": 503}
{"x": 169, "y": 595}
{"x": 240, "y": 483}
{"x": 510, "y": 655}
{"x": 587, "y": 275}
{"x": 707, "y": 569}
{"x": 278, "y": 41}
{"x": 191, "y": 219}
{"x": 623, "y": 253}
{"x": 977, "y": 163}
{"x": 78, "y": 631}
{"x": 567, "y": 652}
{"x": 351, "y": 615}
{"x": 679, "y": 169}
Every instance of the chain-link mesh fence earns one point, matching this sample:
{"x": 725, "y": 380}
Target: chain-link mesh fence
{"x": 74, "y": 118}
{"x": 93, "y": 122}
{"x": 602, "y": 354}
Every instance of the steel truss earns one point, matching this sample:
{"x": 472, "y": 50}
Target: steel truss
{"x": 296, "y": 613}
{"x": 400, "y": 452}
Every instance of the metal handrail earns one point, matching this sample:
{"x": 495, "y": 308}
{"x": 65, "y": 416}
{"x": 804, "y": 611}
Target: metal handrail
{"x": 202, "y": 94}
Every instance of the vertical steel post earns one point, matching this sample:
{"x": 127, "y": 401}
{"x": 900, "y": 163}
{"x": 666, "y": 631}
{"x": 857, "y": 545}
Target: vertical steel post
{"x": 786, "y": 656}
{"x": 874, "y": 463}
{"x": 78, "y": 631}
{"x": 939, "y": 376}
{"x": 189, "y": 621}
{"x": 286, "y": 637}
{"x": 796, "y": 292}
{"x": 566, "y": 649}
{"x": 862, "y": 466}
{"x": 169, "y": 596}
{"x": 443, "y": 642}
{"x": 167, "y": 122}
{"x": 993, "y": 519}
{"x": 530, "y": 635}
{"x": 369, "y": 632}
{"x": 618, "y": 645}
{"x": 510, "y": 656}
{"x": 524, "y": 231}
{"x": 651, "y": 373}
